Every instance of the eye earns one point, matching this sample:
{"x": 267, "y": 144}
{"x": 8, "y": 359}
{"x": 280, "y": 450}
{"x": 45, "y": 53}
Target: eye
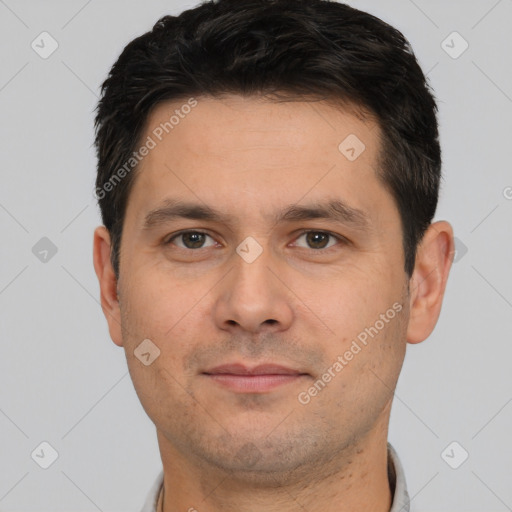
{"x": 190, "y": 240}
{"x": 319, "y": 239}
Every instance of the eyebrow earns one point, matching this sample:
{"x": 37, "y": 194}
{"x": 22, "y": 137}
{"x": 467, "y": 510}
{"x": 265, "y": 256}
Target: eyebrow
{"x": 334, "y": 210}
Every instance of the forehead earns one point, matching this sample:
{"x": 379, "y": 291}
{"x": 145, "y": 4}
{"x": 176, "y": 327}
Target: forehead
{"x": 238, "y": 152}
{"x": 238, "y": 123}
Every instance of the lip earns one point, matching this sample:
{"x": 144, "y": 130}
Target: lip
{"x": 257, "y": 379}
{"x": 262, "y": 369}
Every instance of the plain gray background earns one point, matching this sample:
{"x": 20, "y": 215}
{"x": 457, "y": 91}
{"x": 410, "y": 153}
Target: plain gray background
{"x": 64, "y": 382}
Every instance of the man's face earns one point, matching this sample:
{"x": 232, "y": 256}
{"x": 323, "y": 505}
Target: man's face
{"x": 250, "y": 288}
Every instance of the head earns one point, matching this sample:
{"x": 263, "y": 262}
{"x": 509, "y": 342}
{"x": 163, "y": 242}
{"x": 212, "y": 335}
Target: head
{"x": 268, "y": 172}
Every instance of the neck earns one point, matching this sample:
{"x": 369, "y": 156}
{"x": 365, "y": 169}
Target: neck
{"x": 356, "y": 480}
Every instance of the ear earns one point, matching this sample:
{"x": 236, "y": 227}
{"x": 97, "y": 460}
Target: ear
{"x": 108, "y": 283}
{"x": 428, "y": 281}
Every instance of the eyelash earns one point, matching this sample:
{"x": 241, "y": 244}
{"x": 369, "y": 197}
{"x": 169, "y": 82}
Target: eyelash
{"x": 339, "y": 238}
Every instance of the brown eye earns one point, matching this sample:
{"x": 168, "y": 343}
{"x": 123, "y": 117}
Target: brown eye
{"x": 190, "y": 240}
{"x": 318, "y": 239}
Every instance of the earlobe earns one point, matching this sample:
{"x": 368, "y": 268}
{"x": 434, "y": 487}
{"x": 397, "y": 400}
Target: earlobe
{"x": 108, "y": 283}
{"x": 428, "y": 281}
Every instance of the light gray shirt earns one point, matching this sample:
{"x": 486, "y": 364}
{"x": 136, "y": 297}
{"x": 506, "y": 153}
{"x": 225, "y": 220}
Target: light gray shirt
{"x": 395, "y": 474}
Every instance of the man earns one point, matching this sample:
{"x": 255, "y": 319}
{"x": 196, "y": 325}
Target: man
{"x": 268, "y": 174}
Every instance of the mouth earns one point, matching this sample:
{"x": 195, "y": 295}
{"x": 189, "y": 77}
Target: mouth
{"x": 257, "y": 379}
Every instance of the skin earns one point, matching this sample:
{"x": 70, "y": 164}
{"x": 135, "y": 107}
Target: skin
{"x": 300, "y": 304}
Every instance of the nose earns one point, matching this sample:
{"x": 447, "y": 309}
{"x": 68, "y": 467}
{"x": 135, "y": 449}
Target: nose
{"x": 252, "y": 298}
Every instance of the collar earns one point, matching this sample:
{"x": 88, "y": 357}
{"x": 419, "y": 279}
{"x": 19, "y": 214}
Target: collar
{"x": 396, "y": 476}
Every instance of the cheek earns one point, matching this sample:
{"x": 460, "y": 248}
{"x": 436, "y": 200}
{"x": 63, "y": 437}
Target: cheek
{"x": 356, "y": 298}
{"x": 368, "y": 318}
{"x": 162, "y": 391}
{"x": 151, "y": 311}
{"x": 159, "y": 304}
{"x": 156, "y": 342}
